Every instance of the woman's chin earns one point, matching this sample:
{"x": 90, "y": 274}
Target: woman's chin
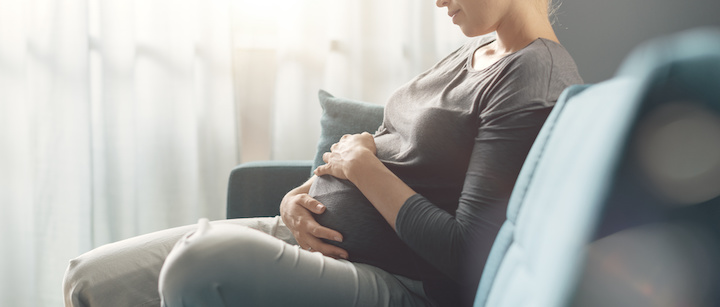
{"x": 471, "y": 32}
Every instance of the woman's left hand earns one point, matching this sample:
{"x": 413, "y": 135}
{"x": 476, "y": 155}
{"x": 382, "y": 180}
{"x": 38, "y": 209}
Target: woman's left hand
{"x": 350, "y": 152}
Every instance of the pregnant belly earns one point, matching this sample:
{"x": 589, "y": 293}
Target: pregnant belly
{"x": 367, "y": 237}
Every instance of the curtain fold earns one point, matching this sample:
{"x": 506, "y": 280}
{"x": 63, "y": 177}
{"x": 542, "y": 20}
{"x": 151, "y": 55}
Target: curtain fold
{"x": 45, "y": 161}
{"x": 164, "y": 114}
{"x": 117, "y": 119}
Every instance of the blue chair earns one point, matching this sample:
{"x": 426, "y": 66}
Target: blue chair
{"x": 587, "y": 178}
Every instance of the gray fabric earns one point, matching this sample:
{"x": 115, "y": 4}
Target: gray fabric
{"x": 366, "y": 236}
{"x": 458, "y": 137}
{"x": 126, "y": 273}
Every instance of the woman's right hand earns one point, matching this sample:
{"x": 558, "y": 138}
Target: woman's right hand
{"x": 296, "y": 211}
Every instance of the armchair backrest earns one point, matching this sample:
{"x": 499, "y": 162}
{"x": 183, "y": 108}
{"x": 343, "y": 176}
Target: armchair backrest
{"x": 563, "y": 197}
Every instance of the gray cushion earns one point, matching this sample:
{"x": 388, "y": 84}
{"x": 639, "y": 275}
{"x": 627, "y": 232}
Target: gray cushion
{"x": 343, "y": 116}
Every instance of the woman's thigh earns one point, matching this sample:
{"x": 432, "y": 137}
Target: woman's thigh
{"x": 125, "y": 273}
{"x": 227, "y": 265}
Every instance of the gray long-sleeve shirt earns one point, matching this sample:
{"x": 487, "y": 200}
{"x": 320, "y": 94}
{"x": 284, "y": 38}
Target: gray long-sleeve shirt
{"x": 458, "y": 137}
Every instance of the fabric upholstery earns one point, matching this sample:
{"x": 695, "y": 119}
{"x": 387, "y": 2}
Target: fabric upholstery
{"x": 566, "y": 184}
{"x": 551, "y": 211}
{"x": 256, "y": 188}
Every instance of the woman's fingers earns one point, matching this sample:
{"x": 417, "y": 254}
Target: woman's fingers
{"x": 332, "y": 169}
{"x": 315, "y": 244}
{"x": 309, "y": 232}
{"x": 326, "y": 157}
{"x": 327, "y": 169}
{"x": 323, "y": 232}
{"x": 309, "y": 241}
{"x": 311, "y": 204}
{"x": 311, "y": 226}
{"x": 346, "y": 153}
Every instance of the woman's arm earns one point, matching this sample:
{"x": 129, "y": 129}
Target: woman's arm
{"x": 353, "y": 158}
{"x": 296, "y": 211}
{"x": 459, "y": 243}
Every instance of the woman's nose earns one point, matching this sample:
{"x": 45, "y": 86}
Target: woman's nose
{"x": 441, "y": 3}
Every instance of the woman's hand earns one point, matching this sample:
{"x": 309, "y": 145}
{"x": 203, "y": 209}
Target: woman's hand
{"x": 345, "y": 155}
{"x": 296, "y": 211}
{"x": 354, "y": 158}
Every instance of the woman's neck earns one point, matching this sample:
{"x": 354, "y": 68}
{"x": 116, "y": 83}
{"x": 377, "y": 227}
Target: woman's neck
{"x": 521, "y": 27}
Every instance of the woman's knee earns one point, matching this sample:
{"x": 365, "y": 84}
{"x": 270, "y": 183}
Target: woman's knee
{"x": 88, "y": 281}
{"x": 124, "y": 273}
{"x": 92, "y": 279}
{"x": 203, "y": 263}
{"x": 74, "y": 283}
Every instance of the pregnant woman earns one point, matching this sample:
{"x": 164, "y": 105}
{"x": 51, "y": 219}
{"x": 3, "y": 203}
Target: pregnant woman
{"x": 404, "y": 217}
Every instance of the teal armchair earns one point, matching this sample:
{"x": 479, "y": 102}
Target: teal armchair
{"x": 256, "y": 188}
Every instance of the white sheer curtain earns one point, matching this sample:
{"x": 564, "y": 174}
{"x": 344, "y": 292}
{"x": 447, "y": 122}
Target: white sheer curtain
{"x": 359, "y": 49}
{"x": 117, "y": 118}
{"x": 122, "y": 117}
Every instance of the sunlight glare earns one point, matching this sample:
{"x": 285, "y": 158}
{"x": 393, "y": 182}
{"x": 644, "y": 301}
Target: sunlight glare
{"x": 255, "y": 22}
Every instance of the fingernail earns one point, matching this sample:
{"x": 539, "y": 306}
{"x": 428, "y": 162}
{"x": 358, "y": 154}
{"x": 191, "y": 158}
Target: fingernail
{"x": 319, "y": 206}
{"x": 339, "y": 239}
{"x": 344, "y": 256}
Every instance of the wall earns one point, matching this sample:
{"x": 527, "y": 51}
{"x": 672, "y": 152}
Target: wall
{"x": 600, "y": 33}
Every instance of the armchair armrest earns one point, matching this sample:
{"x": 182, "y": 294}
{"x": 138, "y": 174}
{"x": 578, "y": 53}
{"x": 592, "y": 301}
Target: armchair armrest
{"x": 256, "y": 188}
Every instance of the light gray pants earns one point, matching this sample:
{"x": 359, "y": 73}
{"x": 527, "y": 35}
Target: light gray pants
{"x": 240, "y": 262}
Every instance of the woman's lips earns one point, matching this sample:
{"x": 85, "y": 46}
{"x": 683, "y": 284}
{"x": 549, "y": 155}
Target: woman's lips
{"x": 454, "y": 15}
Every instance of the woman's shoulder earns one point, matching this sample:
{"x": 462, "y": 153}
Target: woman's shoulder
{"x": 548, "y": 57}
{"x": 533, "y": 77}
